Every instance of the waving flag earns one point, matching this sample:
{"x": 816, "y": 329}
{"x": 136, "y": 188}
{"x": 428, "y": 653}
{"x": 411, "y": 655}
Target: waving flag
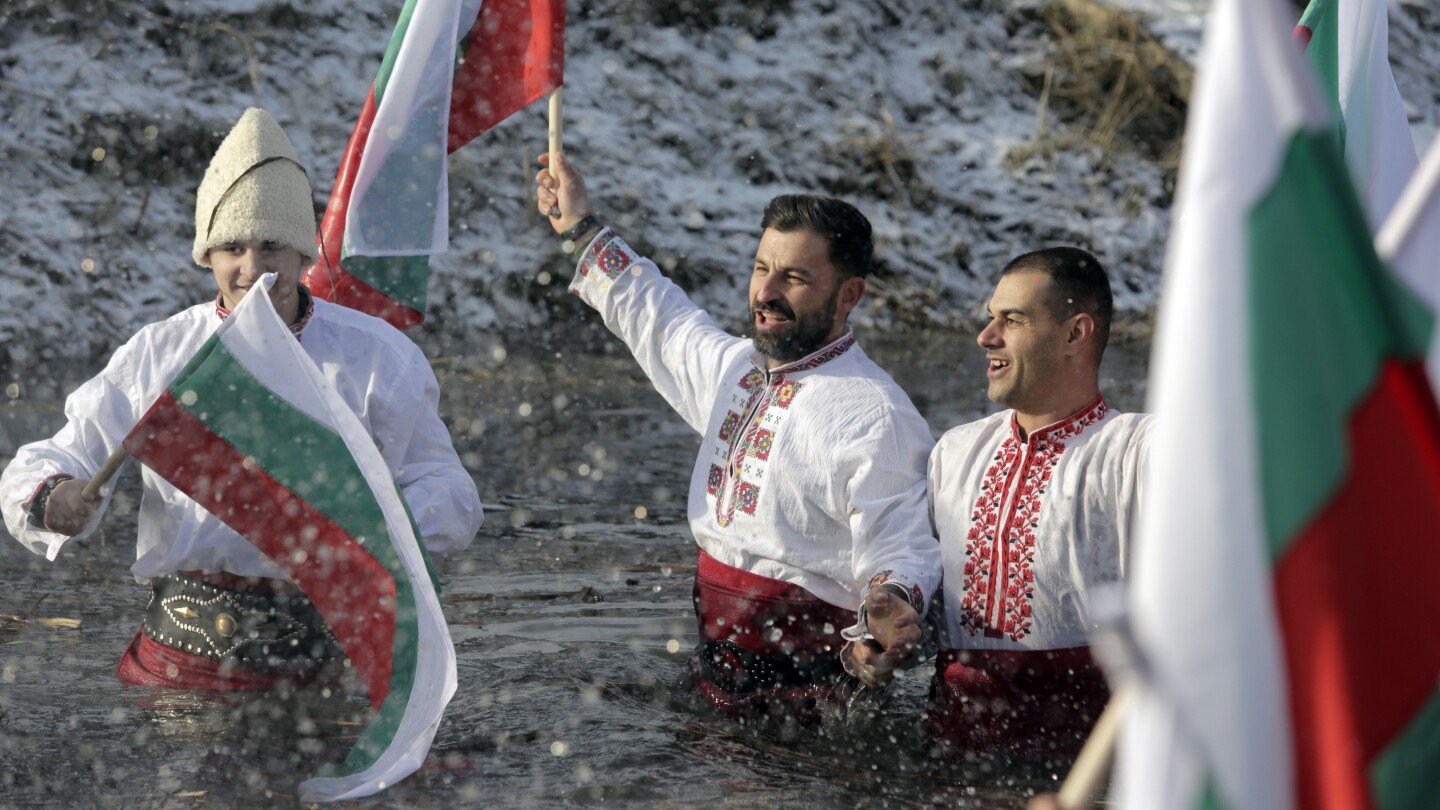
{"x": 389, "y": 209}
{"x": 1347, "y": 43}
{"x": 252, "y": 431}
{"x": 1284, "y": 591}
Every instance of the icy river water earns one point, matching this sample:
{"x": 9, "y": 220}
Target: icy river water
{"x": 571, "y": 617}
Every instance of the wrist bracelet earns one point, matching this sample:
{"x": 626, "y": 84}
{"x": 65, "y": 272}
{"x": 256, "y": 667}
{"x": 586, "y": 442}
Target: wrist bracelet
{"x": 581, "y": 228}
{"x": 42, "y": 497}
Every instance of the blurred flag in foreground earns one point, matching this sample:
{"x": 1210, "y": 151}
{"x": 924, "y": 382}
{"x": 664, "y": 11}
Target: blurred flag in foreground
{"x": 1410, "y": 244}
{"x": 1347, "y": 43}
{"x": 1286, "y": 585}
{"x": 253, "y": 432}
{"x": 389, "y": 209}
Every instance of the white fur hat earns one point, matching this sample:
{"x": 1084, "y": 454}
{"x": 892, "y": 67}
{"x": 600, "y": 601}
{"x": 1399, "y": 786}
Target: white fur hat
{"x": 255, "y": 189}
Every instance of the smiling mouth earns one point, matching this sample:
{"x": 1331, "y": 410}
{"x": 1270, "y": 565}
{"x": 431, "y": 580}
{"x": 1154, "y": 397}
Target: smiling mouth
{"x": 996, "y": 366}
{"x": 769, "y": 319}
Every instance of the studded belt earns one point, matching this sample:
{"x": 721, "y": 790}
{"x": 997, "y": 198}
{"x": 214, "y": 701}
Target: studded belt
{"x": 273, "y": 629}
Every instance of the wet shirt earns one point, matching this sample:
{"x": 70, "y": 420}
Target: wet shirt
{"x": 812, "y": 473}
{"x": 1030, "y": 528}
{"x": 379, "y": 372}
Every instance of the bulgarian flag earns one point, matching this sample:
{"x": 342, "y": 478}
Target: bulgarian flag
{"x": 1285, "y": 592}
{"x": 251, "y": 429}
{"x": 1410, "y": 243}
{"x": 452, "y": 70}
{"x": 1347, "y": 43}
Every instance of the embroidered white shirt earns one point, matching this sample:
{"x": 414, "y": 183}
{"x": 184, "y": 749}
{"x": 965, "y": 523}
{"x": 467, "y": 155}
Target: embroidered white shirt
{"x": 379, "y": 372}
{"x": 1029, "y": 529}
{"x": 812, "y": 473}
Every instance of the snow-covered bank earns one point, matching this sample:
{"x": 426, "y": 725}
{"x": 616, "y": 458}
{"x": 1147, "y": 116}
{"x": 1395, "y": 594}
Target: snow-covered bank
{"x": 686, "y": 115}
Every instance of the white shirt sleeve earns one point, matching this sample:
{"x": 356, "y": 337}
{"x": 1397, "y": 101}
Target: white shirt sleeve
{"x": 677, "y": 344}
{"x": 440, "y": 492}
{"x": 889, "y": 507}
{"x": 97, "y": 416}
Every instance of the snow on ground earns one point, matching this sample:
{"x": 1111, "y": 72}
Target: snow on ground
{"x": 686, "y": 115}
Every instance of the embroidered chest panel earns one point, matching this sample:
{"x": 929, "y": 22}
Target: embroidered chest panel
{"x": 999, "y": 580}
{"x": 741, "y": 450}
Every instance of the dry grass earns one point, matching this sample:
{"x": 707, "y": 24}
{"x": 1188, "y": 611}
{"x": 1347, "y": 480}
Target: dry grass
{"x": 1110, "y": 80}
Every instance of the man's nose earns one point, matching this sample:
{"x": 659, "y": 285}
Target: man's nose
{"x": 989, "y": 337}
{"x": 250, "y": 264}
{"x": 771, "y": 289}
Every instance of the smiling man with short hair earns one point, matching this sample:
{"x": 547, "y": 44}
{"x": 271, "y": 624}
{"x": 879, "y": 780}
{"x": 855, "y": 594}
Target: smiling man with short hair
{"x": 807, "y": 499}
{"x": 1033, "y": 507}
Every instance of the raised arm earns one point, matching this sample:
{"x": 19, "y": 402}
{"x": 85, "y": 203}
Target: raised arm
{"x": 681, "y": 349}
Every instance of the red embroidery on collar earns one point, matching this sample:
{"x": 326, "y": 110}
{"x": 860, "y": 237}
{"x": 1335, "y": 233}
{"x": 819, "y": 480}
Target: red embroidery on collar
{"x": 307, "y": 308}
{"x": 999, "y": 583}
{"x": 819, "y": 358}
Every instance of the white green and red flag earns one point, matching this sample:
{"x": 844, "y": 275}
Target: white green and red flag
{"x": 1347, "y": 43}
{"x": 1286, "y": 585}
{"x": 453, "y": 69}
{"x": 1410, "y": 244}
{"x": 251, "y": 429}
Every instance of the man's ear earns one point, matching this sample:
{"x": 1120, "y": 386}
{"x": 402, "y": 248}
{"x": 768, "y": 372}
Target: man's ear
{"x": 1081, "y": 334}
{"x": 851, "y": 291}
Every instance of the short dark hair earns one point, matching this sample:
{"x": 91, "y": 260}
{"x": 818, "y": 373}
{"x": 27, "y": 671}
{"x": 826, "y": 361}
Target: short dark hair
{"x": 1078, "y": 283}
{"x": 848, "y": 231}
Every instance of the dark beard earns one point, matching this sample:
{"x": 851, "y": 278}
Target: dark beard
{"x": 799, "y": 337}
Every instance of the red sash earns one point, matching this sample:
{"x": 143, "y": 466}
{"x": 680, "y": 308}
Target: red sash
{"x": 765, "y": 645}
{"x": 1040, "y": 703}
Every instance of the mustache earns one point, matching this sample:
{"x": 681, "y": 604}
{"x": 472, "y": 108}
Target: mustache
{"x": 778, "y": 308}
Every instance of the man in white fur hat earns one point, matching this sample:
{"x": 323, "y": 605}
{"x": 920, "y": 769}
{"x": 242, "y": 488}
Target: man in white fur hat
{"x": 253, "y": 215}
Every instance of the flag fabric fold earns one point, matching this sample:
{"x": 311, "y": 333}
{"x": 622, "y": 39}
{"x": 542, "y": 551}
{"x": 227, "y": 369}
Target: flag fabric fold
{"x": 251, "y": 429}
{"x": 1283, "y": 593}
{"x": 1347, "y": 43}
{"x": 389, "y": 209}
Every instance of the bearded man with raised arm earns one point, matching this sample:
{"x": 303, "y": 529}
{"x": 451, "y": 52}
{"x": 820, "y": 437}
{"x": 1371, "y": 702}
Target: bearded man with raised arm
{"x": 807, "y": 499}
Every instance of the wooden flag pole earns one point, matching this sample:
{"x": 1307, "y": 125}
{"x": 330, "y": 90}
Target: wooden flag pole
{"x": 557, "y": 125}
{"x": 1094, "y": 760}
{"x": 91, "y": 492}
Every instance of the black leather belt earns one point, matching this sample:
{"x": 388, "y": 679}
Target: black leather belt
{"x": 279, "y": 630}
